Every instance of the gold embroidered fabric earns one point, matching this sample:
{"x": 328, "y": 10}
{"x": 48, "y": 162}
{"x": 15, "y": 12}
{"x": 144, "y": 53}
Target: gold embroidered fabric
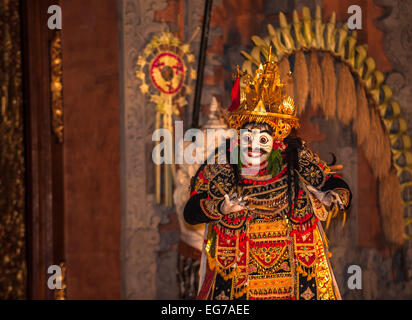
{"x": 264, "y": 251}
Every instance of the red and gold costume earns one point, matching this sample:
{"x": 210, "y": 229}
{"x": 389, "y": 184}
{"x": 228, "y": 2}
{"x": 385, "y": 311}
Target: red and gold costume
{"x": 275, "y": 248}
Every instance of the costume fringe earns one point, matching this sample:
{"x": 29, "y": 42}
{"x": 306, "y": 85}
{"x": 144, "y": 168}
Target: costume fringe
{"x": 346, "y": 95}
{"x": 284, "y": 69}
{"x": 315, "y": 83}
{"x": 362, "y": 119}
{"x": 328, "y": 104}
{"x": 390, "y": 203}
{"x": 301, "y": 81}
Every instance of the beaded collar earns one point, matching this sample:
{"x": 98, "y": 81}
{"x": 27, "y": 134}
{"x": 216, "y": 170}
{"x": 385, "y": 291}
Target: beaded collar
{"x": 257, "y": 178}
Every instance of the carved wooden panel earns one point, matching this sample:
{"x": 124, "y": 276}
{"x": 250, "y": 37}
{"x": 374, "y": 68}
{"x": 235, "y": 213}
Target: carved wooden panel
{"x": 13, "y": 268}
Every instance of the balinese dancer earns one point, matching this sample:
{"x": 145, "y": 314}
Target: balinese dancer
{"x": 264, "y": 239}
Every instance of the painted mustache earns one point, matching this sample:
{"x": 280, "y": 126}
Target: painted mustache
{"x": 256, "y": 152}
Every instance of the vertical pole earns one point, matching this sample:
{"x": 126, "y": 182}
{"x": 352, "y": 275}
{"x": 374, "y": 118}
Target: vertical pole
{"x": 201, "y": 64}
{"x": 181, "y": 20}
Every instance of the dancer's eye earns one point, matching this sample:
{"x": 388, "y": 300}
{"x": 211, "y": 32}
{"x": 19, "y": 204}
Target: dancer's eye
{"x": 263, "y": 140}
{"x": 246, "y": 138}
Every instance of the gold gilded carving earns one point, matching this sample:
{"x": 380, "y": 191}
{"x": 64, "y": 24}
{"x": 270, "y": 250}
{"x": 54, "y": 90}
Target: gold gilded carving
{"x": 61, "y": 294}
{"x": 56, "y": 86}
{"x": 13, "y": 267}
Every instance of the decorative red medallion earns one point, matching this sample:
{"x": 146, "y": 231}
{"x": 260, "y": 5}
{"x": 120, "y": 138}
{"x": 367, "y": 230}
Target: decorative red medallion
{"x": 167, "y": 72}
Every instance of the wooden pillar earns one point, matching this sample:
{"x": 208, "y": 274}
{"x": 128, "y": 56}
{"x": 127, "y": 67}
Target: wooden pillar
{"x": 73, "y": 185}
{"x": 45, "y": 237}
{"x": 91, "y": 150}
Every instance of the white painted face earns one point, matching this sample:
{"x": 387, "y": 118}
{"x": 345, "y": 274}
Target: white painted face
{"x": 256, "y": 142}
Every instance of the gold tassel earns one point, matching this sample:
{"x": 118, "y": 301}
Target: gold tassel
{"x": 333, "y": 213}
{"x": 284, "y": 69}
{"x": 158, "y": 174}
{"x": 241, "y": 292}
{"x": 362, "y": 119}
{"x": 326, "y": 240}
{"x": 329, "y": 218}
{"x": 328, "y": 104}
{"x": 346, "y": 95}
{"x": 301, "y": 81}
{"x": 315, "y": 83}
{"x": 344, "y": 219}
{"x": 390, "y": 203}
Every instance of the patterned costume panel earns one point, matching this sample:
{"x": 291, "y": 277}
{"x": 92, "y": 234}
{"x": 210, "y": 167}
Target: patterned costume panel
{"x": 266, "y": 251}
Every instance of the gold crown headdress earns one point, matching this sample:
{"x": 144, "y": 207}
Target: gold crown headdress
{"x": 263, "y": 100}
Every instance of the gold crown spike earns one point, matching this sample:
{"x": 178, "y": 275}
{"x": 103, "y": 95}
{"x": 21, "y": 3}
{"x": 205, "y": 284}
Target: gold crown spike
{"x": 264, "y": 100}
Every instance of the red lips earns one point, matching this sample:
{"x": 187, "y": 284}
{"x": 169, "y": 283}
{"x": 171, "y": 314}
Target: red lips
{"x": 254, "y": 153}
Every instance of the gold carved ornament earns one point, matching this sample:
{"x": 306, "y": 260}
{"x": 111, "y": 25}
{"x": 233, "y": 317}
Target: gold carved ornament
{"x": 61, "y": 294}
{"x": 165, "y": 73}
{"x": 56, "y": 86}
{"x": 13, "y": 264}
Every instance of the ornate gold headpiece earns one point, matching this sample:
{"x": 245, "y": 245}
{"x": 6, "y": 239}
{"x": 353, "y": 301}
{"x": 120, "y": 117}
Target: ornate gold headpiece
{"x": 263, "y": 100}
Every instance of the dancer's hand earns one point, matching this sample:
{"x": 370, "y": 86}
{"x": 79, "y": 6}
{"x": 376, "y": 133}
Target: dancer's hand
{"x": 328, "y": 198}
{"x": 233, "y": 204}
